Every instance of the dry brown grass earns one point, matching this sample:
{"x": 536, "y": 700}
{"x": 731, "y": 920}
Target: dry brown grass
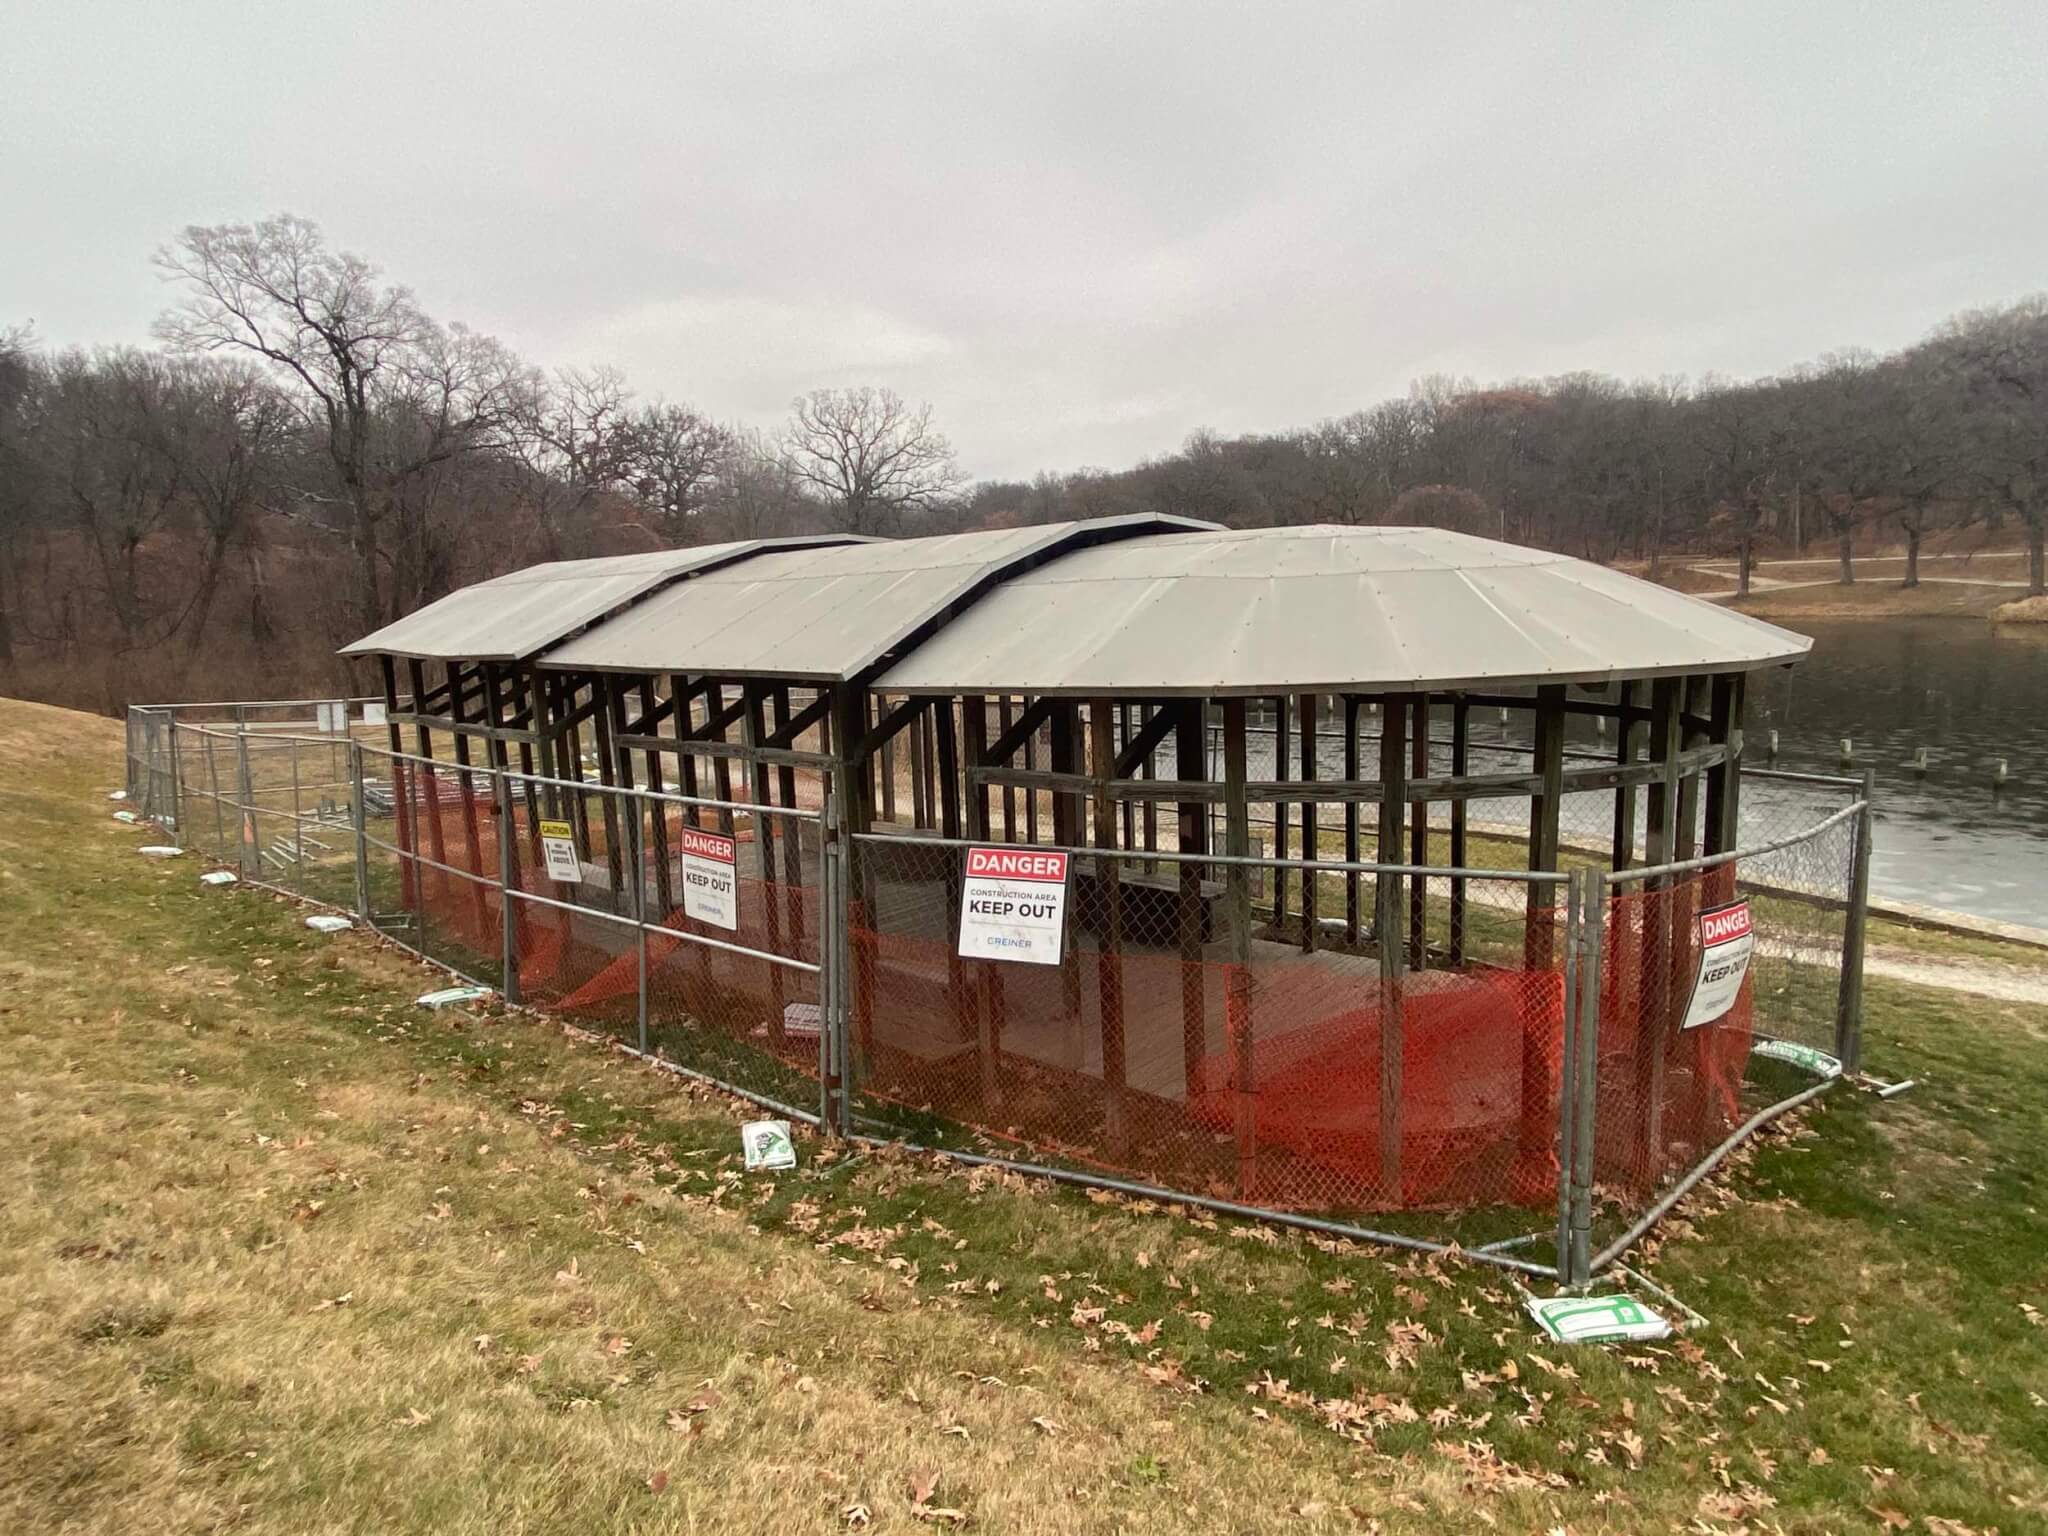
{"x": 262, "y": 1273}
{"x": 280, "y": 1252}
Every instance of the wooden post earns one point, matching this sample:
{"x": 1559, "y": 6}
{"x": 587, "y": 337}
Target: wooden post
{"x": 1067, "y": 833}
{"x": 1190, "y": 766}
{"x": 1387, "y": 939}
{"x": 1237, "y": 987}
{"x": 604, "y": 694}
{"x": 1310, "y": 845}
{"x": 1418, "y": 841}
{"x": 1720, "y": 834}
{"x": 508, "y": 842}
{"x": 436, "y": 845}
{"x": 753, "y": 729}
{"x": 686, "y": 757}
{"x": 1109, "y": 958}
{"x": 657, "y": 813}
{"x": 472, "y": 839}
{"x": 1351, "y": 823}
{"x": 1539, "y": 934}
{"x": 1627, "y": 732}
{"x": 1653, "y": 1020}
{"x": 572, "y": 767}
{"x": 791, "y": 830}
{"x": 1461, "y": 753}
{"x": 401, "y": 793}
{"x": 1150, "y": 818}
{"x": 1003, "y": 719}
{"x": 989, "y": 1016}
{"x": 721, "y": 766}
{"x": 1281, "y": 740}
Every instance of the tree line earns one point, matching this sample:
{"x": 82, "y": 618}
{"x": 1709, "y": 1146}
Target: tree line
{"x": 306, "y": 454}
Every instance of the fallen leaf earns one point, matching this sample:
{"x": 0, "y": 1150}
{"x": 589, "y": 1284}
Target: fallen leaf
{"x": 658, "y": 1483}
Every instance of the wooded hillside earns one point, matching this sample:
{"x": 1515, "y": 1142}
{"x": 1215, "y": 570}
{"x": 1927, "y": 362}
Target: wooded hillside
{"x": 306, "y": 453}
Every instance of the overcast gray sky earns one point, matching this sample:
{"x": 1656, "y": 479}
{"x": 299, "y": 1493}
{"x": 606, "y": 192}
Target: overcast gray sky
{"x": 1081, "y": 231}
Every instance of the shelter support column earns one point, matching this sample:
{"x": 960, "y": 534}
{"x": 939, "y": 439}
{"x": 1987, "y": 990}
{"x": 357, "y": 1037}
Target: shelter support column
{"x": 1387, "y": 940}
{"x": 988, "y": 1019}
{"x": 401, "y": 794}
{"x": 1654, "y": 995}
{"x": 1461, "y": 765}
{"x": 1309, "y": 841}
{"x": 1109, "y": 955}
{"x": 1351, "y": 821}
{"x": 1237, "y": 986}
{"x": 1418, "y": 841}
{"x": 1190, "y": 767}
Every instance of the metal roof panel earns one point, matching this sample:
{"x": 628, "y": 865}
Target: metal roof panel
{"x": 514, "y": 616}
{"x": 828, "y": 613}
{"x": 1327, "y": 609}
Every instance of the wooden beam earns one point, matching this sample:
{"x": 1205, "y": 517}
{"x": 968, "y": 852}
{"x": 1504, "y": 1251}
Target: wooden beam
{"x": 1021, "y": 730}
{"x": 1138, "y": 749}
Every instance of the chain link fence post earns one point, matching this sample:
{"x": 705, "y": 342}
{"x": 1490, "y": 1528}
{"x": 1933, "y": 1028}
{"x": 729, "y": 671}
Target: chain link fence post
{"x": 1592, "y": 938}
{"x": 508, "y": 908}
{"x": 359, "y": 822}
{"x": 1567, "y": 1068}
{"x": 831, "y": 969}
{"x": 632, "y": 809}
{"x": 1849, "y": 1001}
{"x": 245, "y": 797}
{"x": 178, "y": 817}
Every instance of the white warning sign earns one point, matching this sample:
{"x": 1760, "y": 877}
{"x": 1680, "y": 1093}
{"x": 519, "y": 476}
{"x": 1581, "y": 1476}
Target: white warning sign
{"x": 1013, "y": 905}
{"x": 710, "y": 878}
{"x": 558, "y": 842}
{"x": 1726, "y": 941}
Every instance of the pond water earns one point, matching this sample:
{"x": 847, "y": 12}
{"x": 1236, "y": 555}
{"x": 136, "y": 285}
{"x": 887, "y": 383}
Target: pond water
{"x": 1967, "y": 693}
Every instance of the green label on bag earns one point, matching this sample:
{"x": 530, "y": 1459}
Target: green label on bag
{"x": 1804, "y": 1057}
{"x": 768, "y": 1144}
{"x": 1596, "y": 1319}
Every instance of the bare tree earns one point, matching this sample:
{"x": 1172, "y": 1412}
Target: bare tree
{"x": 389, "y": 393}
{"x": 575, "y": 434}
{"x": 870, "y": 457}
{"x": 674, "y": 459}
{"x": 2002, "y": 358}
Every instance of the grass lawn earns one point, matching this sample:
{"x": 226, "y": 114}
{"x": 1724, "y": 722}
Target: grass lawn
{"x": 281, "y": 1252}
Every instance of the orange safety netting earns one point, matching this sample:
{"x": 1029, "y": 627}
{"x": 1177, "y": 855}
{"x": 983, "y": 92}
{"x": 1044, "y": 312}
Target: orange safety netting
{"x": 1259, "y": 1082}
{"x": 1665, "y": 1094}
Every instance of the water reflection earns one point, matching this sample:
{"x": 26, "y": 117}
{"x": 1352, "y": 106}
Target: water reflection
{"x": 1969, "y": 695}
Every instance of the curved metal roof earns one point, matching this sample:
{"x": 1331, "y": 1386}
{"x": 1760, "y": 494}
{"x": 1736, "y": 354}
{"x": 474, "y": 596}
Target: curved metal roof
{"x": 511, "y": 617}
{"x": 821, "y": 614}
{"x": 1325, "y": 609}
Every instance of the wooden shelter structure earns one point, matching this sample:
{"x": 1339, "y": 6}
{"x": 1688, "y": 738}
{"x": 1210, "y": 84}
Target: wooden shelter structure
{"x": 1109, "y": 686}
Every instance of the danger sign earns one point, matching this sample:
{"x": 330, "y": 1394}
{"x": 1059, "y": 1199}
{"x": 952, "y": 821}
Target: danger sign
{"x": 710, "y": 878}
{"x": 1726, "y": 941}
{"x": 558, "y": 843}
{"x": 1013, "y": 905}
